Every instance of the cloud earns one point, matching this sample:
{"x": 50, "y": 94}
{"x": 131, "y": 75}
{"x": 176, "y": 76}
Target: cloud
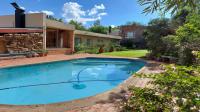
{"x": 112, "y": 26}
{"x": 22, "y": 7}
{"x": 74, "y": 11}
{"x": 50, "y": 13}
{"x": 34, "y": 12}
{"x": 95, "y": 9}
{"x": 102, "y": 14}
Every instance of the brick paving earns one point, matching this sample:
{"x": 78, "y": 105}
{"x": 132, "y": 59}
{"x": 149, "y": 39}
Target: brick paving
{"x": 49, "y": 58}
{"x": 105, "y": 102}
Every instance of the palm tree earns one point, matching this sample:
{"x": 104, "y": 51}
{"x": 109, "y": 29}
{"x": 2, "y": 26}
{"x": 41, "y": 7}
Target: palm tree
{"x": 169, "y": 5}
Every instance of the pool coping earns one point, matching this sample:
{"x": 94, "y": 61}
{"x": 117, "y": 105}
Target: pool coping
{"x": 68, "y": 105}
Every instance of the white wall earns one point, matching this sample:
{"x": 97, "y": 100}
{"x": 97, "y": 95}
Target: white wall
{"x": 35, "y": 20}
{"x": 7, "y": 21}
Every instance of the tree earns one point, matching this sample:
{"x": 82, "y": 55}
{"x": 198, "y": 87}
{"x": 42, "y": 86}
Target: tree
{"x": 98, "y": 28}
{"x": 133, "y": 23}
{"x": 78, "y": 26}
{"x": 53, "y": 18}
{"x": 179, "y": 18}
{"x": 188, "y": 38}
{"x": 97, "y": 23}
{"x": 169, "y": 5}
{"x": 154, "y": 32}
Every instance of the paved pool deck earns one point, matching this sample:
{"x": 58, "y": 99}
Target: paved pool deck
{"x": 104, "y": 102}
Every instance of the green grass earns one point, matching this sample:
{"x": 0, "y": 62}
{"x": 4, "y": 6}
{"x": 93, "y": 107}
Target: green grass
{"x": 129, "y": 53}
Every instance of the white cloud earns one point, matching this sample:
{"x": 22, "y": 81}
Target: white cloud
{"x": 102, "y": 14}
{"x": 33, "y": 12}
{"x": 74, "y": 11}
{"x": 22, "y": 7}
{"x": 112, "y": 26}
{"x": 84, "y": 20}
{"x": 50, "y": 13}
{"x": 95, "y": 9}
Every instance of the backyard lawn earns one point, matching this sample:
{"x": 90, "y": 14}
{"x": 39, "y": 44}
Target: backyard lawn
{"x": 129, "y": 53}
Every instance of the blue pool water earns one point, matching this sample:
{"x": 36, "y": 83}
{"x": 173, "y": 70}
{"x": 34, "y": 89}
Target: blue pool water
{"x": 64, "y": 80}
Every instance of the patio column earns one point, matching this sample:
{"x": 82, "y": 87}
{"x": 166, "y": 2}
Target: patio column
{"x": 57, "y": 39}
{"x": 71, "y": 36}
{"x": 44, "y": 38}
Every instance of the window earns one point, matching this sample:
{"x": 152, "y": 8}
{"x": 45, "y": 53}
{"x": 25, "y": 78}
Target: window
{"x": 134, "y": 33}
{"x": 89, "y": 42}
{"x": 129, "y": 35}
{"x": 77, "y": 41}
{"x": 100, "y": 41}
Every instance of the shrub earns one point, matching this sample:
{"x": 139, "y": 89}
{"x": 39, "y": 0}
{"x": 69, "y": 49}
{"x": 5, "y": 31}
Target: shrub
{"x": 92, "y": 50}
{"x": 79, "y": 47}
{"x": 99, "y": 48}
{"x": 120, "y": 48}
{"x": 197, "y": 57}
{"x": 170, "y": 43}
{"x": 86, "y": 49}
{"x": 132, "y": 43}
{"x": 177, "y": 89}
{"x": 186, "y": 56}
{"x": 145, "y": 100}
{"x": 128, "y": 43}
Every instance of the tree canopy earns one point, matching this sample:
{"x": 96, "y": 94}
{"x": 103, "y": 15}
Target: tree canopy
{"x": 155, "y": 31}
{"x": 53, "y": 18}
{"x": 78, "y": 26}
{"x": 98, "y": 28}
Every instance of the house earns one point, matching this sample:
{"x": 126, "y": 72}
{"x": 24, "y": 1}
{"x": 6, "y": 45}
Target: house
{"x": 27, "y": 32}
{"x": 91, "y": 39}
{"x": 131, "y": 31}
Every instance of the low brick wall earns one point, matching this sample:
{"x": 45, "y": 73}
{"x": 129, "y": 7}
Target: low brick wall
{"x": 17, "y": 43}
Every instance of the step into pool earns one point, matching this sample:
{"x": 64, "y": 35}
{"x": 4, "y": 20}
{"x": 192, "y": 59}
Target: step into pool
{"x": 63, "y": 81}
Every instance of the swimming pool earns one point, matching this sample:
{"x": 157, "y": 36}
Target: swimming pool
{"x": 62, "y": 81}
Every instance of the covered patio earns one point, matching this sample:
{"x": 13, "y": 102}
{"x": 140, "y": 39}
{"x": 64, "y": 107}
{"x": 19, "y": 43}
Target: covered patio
{"x": 59, "y": 38}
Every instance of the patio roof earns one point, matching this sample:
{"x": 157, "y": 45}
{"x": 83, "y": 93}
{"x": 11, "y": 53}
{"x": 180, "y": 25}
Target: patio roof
{"x": 20, "y": 30}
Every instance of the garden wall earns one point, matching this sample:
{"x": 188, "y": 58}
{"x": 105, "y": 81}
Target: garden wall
{"x": 18, "y": 43}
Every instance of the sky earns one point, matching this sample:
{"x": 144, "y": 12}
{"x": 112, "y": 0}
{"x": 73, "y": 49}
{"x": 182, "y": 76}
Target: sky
{"x": 109, "y": 12}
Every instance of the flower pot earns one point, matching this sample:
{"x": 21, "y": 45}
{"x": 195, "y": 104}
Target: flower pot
{"x": 29, "y": 56}
{"x": 40, "y": 54}
{"x": 111, "y": 49}
{"x": 45, "y": 54}
{"x": 101, "y": 50}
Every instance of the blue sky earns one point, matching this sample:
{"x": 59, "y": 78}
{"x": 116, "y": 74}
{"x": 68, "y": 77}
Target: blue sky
{"x": 110, "y": 12}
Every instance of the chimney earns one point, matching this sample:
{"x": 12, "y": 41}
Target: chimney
{"x": 19, "y": 16}
{"x": 109, "y": 29}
